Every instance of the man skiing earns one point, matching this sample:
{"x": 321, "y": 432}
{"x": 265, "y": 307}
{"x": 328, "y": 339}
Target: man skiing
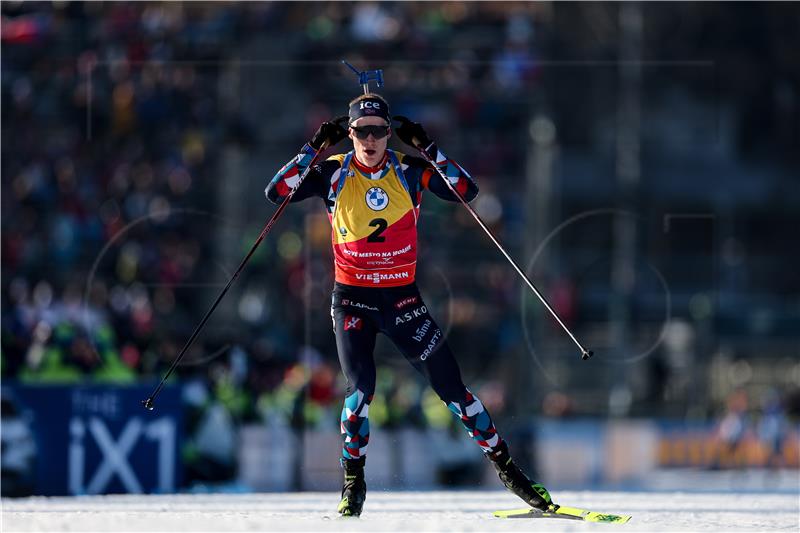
{"x": 372, "y": 195}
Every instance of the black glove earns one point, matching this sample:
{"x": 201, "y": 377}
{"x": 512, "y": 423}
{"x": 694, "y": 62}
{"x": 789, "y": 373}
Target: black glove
{"x": 412, "y": 133}
{"x": 332, "y": 132}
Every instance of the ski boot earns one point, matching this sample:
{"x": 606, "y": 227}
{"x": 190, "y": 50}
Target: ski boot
{"x": 515, "y": 480}
{"x": 354, "y": 490}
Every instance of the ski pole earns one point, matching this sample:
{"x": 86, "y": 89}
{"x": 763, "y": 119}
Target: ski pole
{"x": 585, "y": 354}
{"x": 148, "y": 403}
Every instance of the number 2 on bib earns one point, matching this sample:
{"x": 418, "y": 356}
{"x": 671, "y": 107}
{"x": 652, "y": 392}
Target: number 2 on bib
{"x": 380, "y": 226}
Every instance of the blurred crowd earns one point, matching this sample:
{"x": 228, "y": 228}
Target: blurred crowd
{"x": 756, "y": 435}
{"x": 113, "y": 123}
{"x": 749, "y": 431}
{"x": 110, "y": 119}
{"x": 115, "y": 117}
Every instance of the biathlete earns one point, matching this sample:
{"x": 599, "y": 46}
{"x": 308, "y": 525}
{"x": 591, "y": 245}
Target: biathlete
{"x": 372, "y": 195}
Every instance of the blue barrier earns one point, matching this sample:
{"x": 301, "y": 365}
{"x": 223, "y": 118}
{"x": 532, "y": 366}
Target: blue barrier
{"x": 96, "y": 439}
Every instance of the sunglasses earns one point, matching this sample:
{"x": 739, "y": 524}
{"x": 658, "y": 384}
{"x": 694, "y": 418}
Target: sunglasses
{"x": 378, "y": 132}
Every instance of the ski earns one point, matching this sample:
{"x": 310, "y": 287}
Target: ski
{"x": 568, "y": 513}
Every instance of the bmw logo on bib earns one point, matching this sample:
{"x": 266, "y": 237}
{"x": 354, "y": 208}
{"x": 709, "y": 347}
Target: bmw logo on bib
{"x": 377, "y": 199}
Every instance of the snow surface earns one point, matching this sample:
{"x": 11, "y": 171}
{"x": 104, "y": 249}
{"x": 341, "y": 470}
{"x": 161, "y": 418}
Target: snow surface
{"x": 399, "y": 511}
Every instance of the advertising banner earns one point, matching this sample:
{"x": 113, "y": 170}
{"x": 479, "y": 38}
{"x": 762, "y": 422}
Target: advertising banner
{"x": 93, "y": 439}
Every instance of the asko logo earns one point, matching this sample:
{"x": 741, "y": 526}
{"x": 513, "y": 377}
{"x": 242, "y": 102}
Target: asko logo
{"x": 370, "y": 105}
{"x": 414, "y": 313}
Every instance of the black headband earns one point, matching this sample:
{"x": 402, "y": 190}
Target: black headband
{"x": 369, "y": 107}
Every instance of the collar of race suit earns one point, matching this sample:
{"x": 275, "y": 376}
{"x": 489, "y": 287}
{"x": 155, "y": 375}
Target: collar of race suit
{"x": 371, "y": 170}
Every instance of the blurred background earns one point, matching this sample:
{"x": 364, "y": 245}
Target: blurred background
{"x": 639, "y": 160}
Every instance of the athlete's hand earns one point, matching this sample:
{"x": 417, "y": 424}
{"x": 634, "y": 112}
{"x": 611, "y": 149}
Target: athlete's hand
{"x": 330, "y": 131}
{"x": 412, "y": 133}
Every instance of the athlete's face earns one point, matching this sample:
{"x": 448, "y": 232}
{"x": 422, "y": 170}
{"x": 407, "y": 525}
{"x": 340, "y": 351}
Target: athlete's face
{"x": 369, "y": 151}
